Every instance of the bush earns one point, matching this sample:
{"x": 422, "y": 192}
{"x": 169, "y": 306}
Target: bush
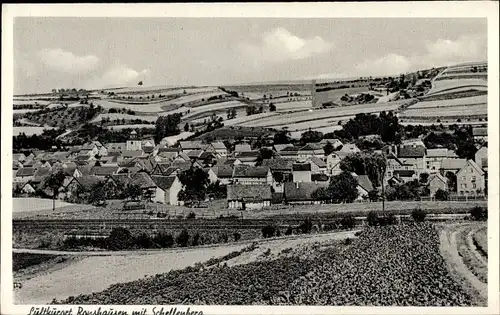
{"x": 268, "y": 231}
{"x": 196, "y": 240}
{"x": 348, "y": 222}
{"x": 119, "y": 239}
{"x": 237, "y": 236}
{"x": 183, "y": 238}
{"x": 306, "y": 226}
{"x": 418, "y": 215}
{"x": 441, "y": 195}
{"x": 389, "y": 219}
{"x": 289, "y": 231}
{"x": 479, "y": 213}
{"x": 164, "y": 240}
{"x": 145, "y": 241}
{"x": 191, "y": 215}
{"x": 372, "y": 218}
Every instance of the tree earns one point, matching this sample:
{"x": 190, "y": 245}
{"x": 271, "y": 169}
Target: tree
{"x": 119, "y": 239}
{"x": 343, "y": 188}
{"x": 183, "y": 238}
{"x": 441, "y": 194}
{"x": 452, "y": 181}
{"x": 281, "y": 137}
{"x": 54, "y": 182}
{"x": 97, "y": 194}
{"x": 424, "y": 177}
{"x": 167, "y": 126}
{"x": 311, "y": 136}
{"x": 272, "y": 107}
{"x": 328, "y": 149}
{"x": 373, "y": 195}
{"x": 371, "y": 164}
{"x": 133, "y": 191}
{"x": 264, "y": 154}
{"x": 186, "y": 127}
{"x": 195, "y": 182}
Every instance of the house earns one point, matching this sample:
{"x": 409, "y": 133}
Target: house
{"x": 240, "y": 148}
{"x": 395, "y": 164}
{"x": 470, "y": 180}
{"x": 248, "y": 196}
{"x": 364, "y": 186}
{"x": 145, "y": 183}
{"x": 25, "y": 174}
{"x": 480, "y": 133}
{"x": 133, "y": 142}
{"x": 247, "y": 175}
{"x": 228, "y": 161}
{"x": 436, "y": 182}
{"x": 86, "y": 182}
{"x": 481, "y": 158}
{"x": 167, "y": 153}
{"x": 413, "y": 155}
{"x": 336, "y": 143}
{"x": 333, "y": 163}
{"x": 27, "y": 188}
{"x": 194, "y": 154}
{"x": 160, "y": 169}
{"x": 319, "y": 177}
{"x": 116, "y": 146}
{"x": 302, "y": 192}
{"x": 317, "y": 165}
{"x": 405, "y": 175}
{"x": 301, "y": 172}
{"x": 279, "y": 147}
{"x": 103, "y": 171}
{"x": 168, "y": 189}
{"x": 349, "y": 148}
{"x": 130, "y": 154}
{"x": 186, "y": 146}
{"x": 221, "y": 173}
{"x": 248, "y": 157}
{"x": 218, "y": 148}
{"x": 451, "y": 165}
{"x": 16, "y": 165}
{"x": 182, "y": 157}
{"x": 18, "y": 157}
{"x": 290, "y": 153}
{"x": 309, "y": 150}
{"x": 434, "y": 158}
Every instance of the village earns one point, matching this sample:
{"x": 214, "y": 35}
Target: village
{"x": 248, "y": 178}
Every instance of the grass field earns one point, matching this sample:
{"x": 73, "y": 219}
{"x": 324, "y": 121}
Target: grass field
{"x": 335, "y": 95}
{"x": 22, "y": 207}
{"x": 29, "y": 131}
{"x": 115, "y": 116}
{"x": 454, "y": 111}
{"x": 130, "y": 126}
{"x": 474, "y": 100}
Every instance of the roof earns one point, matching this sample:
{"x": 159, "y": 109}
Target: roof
{"x": 290, "y": 149}
{"x": 143, "y": 180}
{"x": 335, "y": 142}
{"x": 278, "y": 164}
{"x": 480, "y": 131}
{"x": 403, "y": 173}
{"x": 116, "y": 146}
{"x": 148, "y": 149}
{"x": 316, "y": 160}
{"x": 18, "y": 156}
{"x": 194, "y": 153}
{"x": 206, "y": 155}
{"x": 365, "y": 182}
{"x": 319, "y": 177}
{"x": 104, "y": 170}
{"x": 183, "y": 165}
{"x": 164, "y": 182}
{"x": 439, "y": 152}
{"x": 190, "y": 145}
{"x": 82, "y": 158}
{"x": 249, "y": 192}
{"x": 247, "y": 154}
{"x": 409, "y": 151}
{"x": 242, "y": 148}
{"x": 248, "y": 171}
{"x": 473, "y": 165}
{"x": 218, "y": 145}
{"x": 132, "y": 153}
{"x": 301, "y": 167}
{"x": 42, "y": 171}
{"x": 279, "y": 147}
{"x": 312, "y": 146}
{"x": 123, "y": 179}
{"x": 112, "y": 152}
{"x": 88, "y": 180}
{"x": 350, "y": 147}
{"x": 25, "y": 171}
{"x": 166, "y": 149}
{"x": 452, "y": 164}
{"x": 301, "y": 191}
{"x": 223, "y": 171}
{"x": 437, "y": 176}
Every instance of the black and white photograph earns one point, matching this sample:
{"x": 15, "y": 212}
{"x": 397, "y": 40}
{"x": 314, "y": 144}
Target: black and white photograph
{"x": 250, "y": 161}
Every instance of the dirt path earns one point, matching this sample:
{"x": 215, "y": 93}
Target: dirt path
{"x": 95, "y": 273}
{"x": 449, "y": 250}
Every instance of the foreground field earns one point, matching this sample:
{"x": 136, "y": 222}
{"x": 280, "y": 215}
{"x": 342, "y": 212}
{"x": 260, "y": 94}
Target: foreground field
{"x": 390, "y": 266}
{"x": 114, "y": 268}
{"x": 24, "y": 207}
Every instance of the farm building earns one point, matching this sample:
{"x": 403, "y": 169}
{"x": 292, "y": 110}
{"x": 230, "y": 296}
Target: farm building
{"x": 186, "y": 146}
{"x": 436, "y": 182}
{"x": 301, "y": 172}
{"x": 309, "y": 150}
{"x": 239, "y": 148}
{"x": 248, "y": 196}
{"x": 413, "y": 155}
{"x": 435, "y": 157}
{"x": 333, "y": 164}
{"x": 248, "y": 157}
{"x": 336, "y": 143}
{"x": 481, "y": 158}
{"x": 317, "y": 165}
{"x": 451, "y": 165}
{"x": 364, "y": 186}
{"x": 470, "y": 180}
{"x": 221, "y": 173}
{"x": 168, "y": 188}
{"x": 302, "y": 192}
{"x": 218, "y": 148}
{"x": 246, "y": 175}
{"x": 289, "y": 153}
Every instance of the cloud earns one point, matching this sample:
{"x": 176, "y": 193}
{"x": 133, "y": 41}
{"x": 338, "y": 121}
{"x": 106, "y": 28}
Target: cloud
{"x": 388, "y": 64}
{"x": 66, "y": 61}
{"x": 442, "y": 52}
{"x": 279, "y": 45}
{"x": 117, "y": 75}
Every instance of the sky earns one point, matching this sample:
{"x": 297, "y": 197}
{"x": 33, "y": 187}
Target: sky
{"x": 93, "y": 53}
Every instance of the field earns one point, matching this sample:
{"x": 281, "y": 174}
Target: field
{"x": 335, "y": 95}
{"x": 22, "y": 207}
{"x": 130, "y": 126}
{"x": 474, "y": 100}
{"x": 449, "y": 111}
{"x": 388, "y": 266}
{"x": 165, "y": 90}
{"x": 207, "y": 110}
{"x": 70, "y": 117}
{"x": 115, "y": 116}
{"x": 29, "y": 131}
{"x": 145, "y": 108}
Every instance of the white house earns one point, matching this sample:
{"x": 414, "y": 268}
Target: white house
{"x": 247, "y": 175}
{"x": 301, "y": 172}
{"x": 168, "y": 189}
{"x": 248, "y": 196}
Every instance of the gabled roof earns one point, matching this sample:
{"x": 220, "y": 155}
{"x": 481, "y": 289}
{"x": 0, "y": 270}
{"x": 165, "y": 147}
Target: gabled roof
{"x": 18, "y": 156}
{"x": 404, "y": 173}
{"x": 143, "y": 180}
{"x": 25, "y": 171}
{"x": 437, "y": 153}
{"x": 167, "y": 149}
{"x": 88, "y": 180}
{"x": 190, "y": 145}
{"x": 194, "y": 154}
{"x": 301, "y": 167}
{"x": 349, "y": 148}
{"x": 410, "y": 151}
{"x": 183, "y": 156}
{"x": 116, "y": 146}
{"x": 290, "y": 149}
{"x": 148, "y": 149}
{"x": 206, "y": 155}
{"x": 218, "y": 145}
{"x": 301, "y": 191}
{"x": 452, "y": 164}
{"x": 471, "y": 163}
{"x": 122, "y": 179}
{"x": 249, "y": 193}
{"x": 164, "y": 182}
{"x": 437, "y": 176}
{"x": 312, "y": 146}
{"x": 181, "y": 164}
{"x": 279, "y": 147}
{"x": 248, "y": 171}
{"x": 82, "y": 158}
{"x": 223, "y": 171}
{"x": 242, "y": 148}
{"x": 334, "y": 142}
{"x": 104, "y": 170}
{"x": 365, "y": 183}
{"x": 316, "y": 160}
{"x": 42, "y": 171}
{"x": 247, "y": 154}
{"x": 480, "y": 132}
{"x": 278, "y": 164}
{"x": 132, "y": 153}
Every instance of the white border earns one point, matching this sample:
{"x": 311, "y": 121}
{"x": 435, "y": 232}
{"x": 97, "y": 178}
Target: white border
{"x": 444, "y": 9}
